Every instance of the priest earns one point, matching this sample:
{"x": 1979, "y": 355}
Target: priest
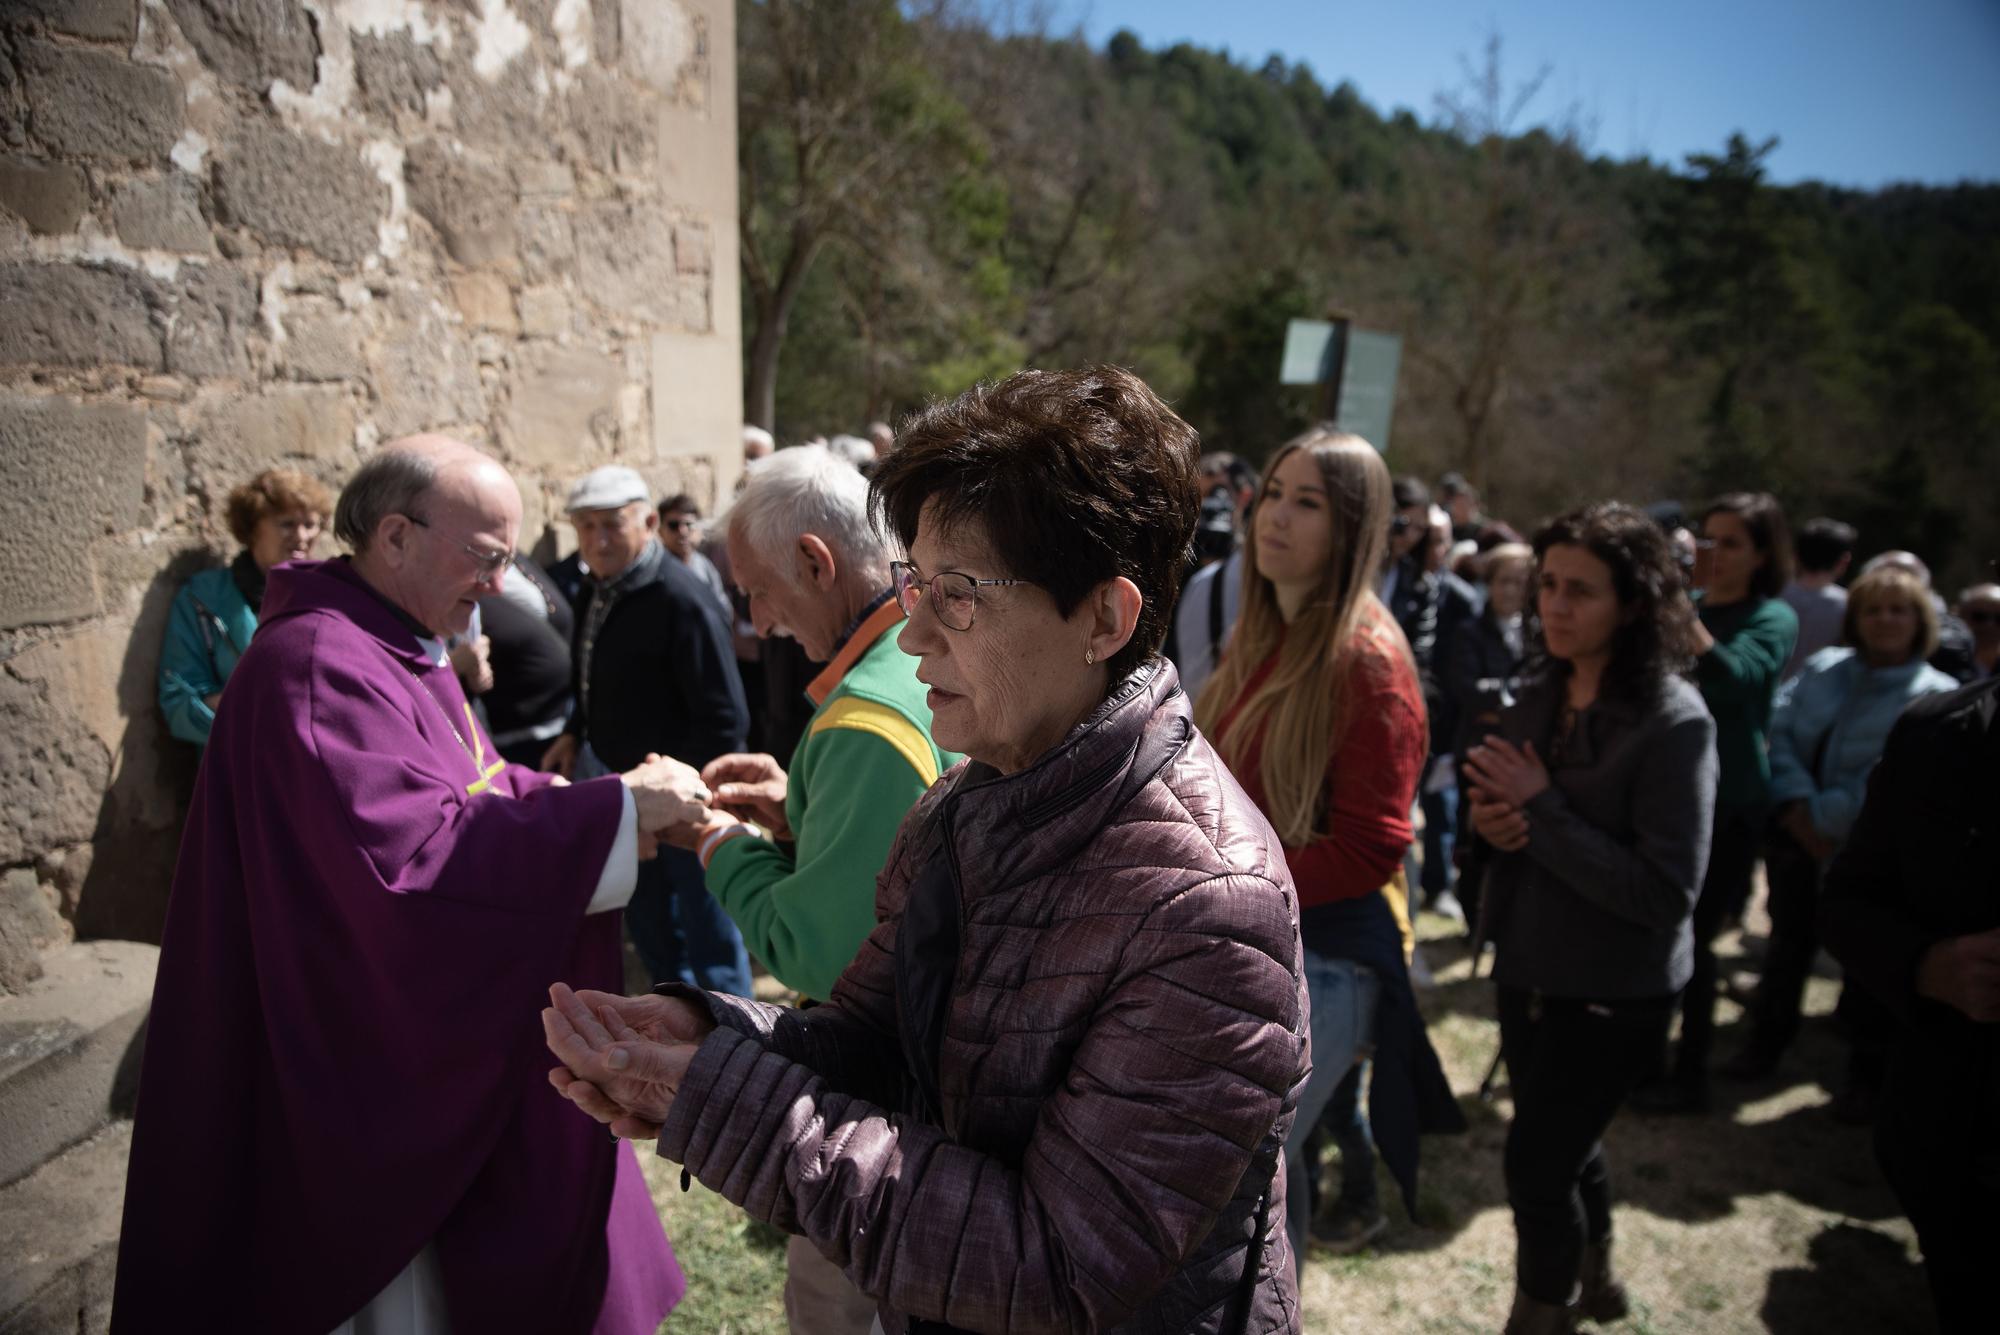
{"x": 343, "y": 1121}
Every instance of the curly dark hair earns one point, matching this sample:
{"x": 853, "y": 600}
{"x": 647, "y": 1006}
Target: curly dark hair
{"x": 1656, "y": 639}
{"x": 1077, "y": 476}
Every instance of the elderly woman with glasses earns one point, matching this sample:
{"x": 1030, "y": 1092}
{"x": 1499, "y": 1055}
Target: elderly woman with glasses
{"x": 1052, "y": 1090}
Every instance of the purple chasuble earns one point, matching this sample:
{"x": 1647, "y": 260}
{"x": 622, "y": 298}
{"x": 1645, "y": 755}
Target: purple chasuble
{"x": 344, "y": 1060}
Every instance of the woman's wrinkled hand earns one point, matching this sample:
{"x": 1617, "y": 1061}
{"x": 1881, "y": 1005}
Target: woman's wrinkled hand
{"x": 623, "y": 1058}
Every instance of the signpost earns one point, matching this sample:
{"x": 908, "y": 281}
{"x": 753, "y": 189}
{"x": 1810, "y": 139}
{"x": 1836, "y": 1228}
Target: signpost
{"x": 1355, "y": 370}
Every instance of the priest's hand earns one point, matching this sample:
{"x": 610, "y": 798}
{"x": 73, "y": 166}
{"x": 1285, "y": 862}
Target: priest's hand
{"x": 623, "y": 1057}
{"x": 667, "y": 793}
{"x": 752, "y": 788}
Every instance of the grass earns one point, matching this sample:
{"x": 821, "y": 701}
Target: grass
{"x": 1766, "y": 1215}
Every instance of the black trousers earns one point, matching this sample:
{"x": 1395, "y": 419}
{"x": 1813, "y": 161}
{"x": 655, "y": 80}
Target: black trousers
{"x": 1792, "y": 876}
{"x": 1936, "y": 1142}
{"x": 1570, "y": 1064}
{"x": 1732, "y": 858}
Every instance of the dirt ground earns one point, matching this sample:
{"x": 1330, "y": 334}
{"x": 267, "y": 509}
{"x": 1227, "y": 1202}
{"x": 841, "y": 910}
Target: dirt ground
{"x": 1767, "y": 1215}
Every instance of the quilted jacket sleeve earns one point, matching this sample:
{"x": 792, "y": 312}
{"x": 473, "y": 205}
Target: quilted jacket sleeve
{"x": 1186, "y": 1070}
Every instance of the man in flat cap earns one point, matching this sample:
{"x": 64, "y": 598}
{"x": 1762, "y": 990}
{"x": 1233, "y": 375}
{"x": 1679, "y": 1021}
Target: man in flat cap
{"x": 655, "y": 674}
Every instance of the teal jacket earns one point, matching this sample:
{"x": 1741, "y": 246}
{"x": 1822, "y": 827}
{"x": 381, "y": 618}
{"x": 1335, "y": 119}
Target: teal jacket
{"x": 1738, "y": 678}
{"x": 865, "y": 759}
{"x": 1831, "y": 723}
{"x": 207, "y": 631}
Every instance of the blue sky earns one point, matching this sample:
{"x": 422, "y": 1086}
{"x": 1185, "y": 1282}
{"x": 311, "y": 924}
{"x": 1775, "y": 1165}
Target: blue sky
{"x": 1859, "y": 92}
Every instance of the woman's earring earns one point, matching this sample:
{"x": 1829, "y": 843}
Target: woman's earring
{"x": 1089, "y": 657}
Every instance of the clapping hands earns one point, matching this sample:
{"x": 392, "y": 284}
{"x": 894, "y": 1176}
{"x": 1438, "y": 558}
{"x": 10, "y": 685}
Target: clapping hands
{"x": 623, "y": 1058}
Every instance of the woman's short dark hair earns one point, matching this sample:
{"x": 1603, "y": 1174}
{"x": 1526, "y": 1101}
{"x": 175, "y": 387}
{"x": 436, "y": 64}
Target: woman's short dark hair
{"x": 275, "y": 491}
{"x": 1765, "y": 519}
{"x": 1656, "y": 638}
{"x": 1077, "y": 477}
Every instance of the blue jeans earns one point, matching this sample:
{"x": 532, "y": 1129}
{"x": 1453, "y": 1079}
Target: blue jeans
{"x": 680, "y": 932}
{"x": 1342, "y": 995}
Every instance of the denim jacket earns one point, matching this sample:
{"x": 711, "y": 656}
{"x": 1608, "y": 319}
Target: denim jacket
{"x": 1828, "y": 729}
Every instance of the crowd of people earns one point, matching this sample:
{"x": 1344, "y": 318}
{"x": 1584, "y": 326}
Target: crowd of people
{"x": 1082, "y": 790}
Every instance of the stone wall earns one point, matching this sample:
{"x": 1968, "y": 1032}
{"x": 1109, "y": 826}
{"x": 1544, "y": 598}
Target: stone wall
{"x": 239, "y": 232}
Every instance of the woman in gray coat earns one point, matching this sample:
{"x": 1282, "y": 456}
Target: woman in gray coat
{"x": 1597, "y": 791}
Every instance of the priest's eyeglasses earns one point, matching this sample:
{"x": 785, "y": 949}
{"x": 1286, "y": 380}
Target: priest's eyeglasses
{"x": 489, "y": 563}
{"x": 953, "y": 596}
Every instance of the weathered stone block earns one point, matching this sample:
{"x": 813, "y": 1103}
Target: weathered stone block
{"x": 545, "y": 312}
{"x": 564, "y": 407}
{"x": 323, "y": 346}
{"x": 68, "y": 470}
{"x": 625, "y": 260}
{"x": 71, "y": 315}
{"x": 424, "y": 373}
{"x": 106, "y": 20}
{"x": 547, "y": 242}
{"x": 657, "y": 41}
{"x": 485, "y": 301}
{"x": 52, "y": 774}
{"x": 252, "y": 42}
{"x": 214, "y": 312}
{"x": 300, "y": 192}
{"x": 87, "y": 103}
{"x": 48, "y": 196}
{"x": 469, "y": 203}
{"x": 394, "y": 73}
{"x": 28, "y": 922}
{"x": 161, "y": 214}
{"x": 617, "y": 121}
{"x": 544, "y": 180}
{"x": 502, "y": 113}
{"x": 691, "y": 248}
{"x": 242, "y": 434}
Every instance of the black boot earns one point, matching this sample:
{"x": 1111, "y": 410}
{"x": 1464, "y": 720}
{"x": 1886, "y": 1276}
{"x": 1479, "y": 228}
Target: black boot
{"x": 1603, "y": 1298}
{"x": 1532, "y": 1316}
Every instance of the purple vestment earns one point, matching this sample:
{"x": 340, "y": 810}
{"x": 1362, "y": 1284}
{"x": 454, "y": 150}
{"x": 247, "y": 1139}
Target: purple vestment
{"x": 345, "y": 1060}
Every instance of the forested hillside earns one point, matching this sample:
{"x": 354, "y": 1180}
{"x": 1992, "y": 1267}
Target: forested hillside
{"x": 926, "y": 203}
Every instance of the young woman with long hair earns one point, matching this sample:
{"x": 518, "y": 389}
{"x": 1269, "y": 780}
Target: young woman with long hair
{"x": 1317, "y": 709}
{"x": 1596, "y": 793}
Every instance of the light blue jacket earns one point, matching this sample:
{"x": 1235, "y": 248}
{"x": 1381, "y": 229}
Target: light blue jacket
{"x": 1828, "y": 729}
{"x": 207, "y": 631}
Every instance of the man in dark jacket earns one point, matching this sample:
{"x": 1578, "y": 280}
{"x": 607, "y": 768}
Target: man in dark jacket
{"x": 1911, "y": 909}
{"x": 655, "y": 673}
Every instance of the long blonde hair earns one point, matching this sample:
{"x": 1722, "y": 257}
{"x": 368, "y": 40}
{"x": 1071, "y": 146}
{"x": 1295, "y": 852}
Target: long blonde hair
{"x": 1301, "y": 709}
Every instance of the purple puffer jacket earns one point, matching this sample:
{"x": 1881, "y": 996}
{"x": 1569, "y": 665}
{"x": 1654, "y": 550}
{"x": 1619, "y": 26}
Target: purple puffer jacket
{"x": 1051, "y": 1091}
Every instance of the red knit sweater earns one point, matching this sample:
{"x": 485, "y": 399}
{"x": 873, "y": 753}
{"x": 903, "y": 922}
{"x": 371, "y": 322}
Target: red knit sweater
{"x": 1371, "y": 777}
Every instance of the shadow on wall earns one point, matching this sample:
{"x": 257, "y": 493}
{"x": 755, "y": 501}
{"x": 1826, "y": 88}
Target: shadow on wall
{"x": 131, "y": 867}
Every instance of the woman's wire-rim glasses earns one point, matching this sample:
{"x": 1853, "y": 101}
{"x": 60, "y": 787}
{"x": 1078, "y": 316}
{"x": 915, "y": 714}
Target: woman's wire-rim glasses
{"x": 955, "y": 596}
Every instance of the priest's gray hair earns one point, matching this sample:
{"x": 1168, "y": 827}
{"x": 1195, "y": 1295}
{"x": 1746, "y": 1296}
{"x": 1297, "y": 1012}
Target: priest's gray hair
{"x": 807, "y": 489}
{"x": 390, "y": 482}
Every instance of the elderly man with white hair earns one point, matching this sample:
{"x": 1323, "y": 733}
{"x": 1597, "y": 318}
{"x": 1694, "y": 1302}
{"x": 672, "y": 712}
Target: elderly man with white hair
{"x": 802, "y": 889}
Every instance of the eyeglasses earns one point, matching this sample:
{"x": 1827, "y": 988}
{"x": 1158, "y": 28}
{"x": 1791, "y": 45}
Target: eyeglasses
{"x": 954, "y": 597}
{"x": 489, "y": 563}
{"x": 677, "y": 525}
{"x": 1982, "y": 616}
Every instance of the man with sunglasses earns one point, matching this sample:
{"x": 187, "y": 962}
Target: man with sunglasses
{"x": 681, "y": 531}
{"x": 655, "y": 675}
{"x": 339, "y": 1125}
